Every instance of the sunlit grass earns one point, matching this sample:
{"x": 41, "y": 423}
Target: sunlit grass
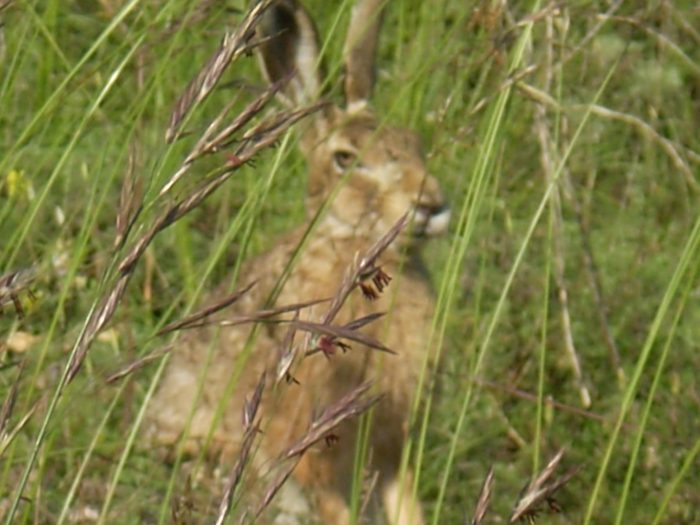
{"x": 87, "y": 90}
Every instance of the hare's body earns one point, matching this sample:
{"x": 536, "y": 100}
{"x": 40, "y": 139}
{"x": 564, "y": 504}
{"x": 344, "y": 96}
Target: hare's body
{"x": 326, "y": 470}
{"x": 373, "y": 175}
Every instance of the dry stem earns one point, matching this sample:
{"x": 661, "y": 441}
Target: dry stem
{"x": 547, "y": 152}
{"x": 482, "y": 503}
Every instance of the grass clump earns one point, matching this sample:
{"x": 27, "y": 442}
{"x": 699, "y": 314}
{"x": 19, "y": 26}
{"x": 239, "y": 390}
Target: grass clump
{"x": 566, "y": 138}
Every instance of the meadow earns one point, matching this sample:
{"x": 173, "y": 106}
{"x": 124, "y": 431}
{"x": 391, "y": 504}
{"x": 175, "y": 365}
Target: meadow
{"x": 565, "y": 136}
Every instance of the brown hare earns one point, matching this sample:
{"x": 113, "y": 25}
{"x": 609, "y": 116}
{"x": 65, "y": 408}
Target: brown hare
{"x": 368, "y": 175}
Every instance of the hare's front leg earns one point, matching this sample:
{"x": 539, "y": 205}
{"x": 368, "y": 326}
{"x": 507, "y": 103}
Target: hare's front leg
{"x": 317, "y": 474}
{"x": 332, "y": 508}
{"x": 399, "y": 504}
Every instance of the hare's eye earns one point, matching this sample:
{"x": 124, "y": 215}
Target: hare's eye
{"x": 344, "y": 159}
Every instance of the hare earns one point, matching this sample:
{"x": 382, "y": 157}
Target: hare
{"x": 367, "y": 175}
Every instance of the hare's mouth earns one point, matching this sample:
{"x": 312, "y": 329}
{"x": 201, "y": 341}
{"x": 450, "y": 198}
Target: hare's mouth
{"x": 430, "y": 220}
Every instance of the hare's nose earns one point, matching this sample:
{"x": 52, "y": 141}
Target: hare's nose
{"x": 431, "y": 219}
{"x": 430, "y": 209}
{"x": 439, "y": 208}
{"x": 439, "y": 220}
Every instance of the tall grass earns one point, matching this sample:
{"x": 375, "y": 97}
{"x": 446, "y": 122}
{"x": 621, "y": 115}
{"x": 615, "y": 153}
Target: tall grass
{"x": 86, "y": 93}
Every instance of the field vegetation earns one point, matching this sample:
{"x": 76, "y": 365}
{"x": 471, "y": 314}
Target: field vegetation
{"x": 566, "y": 137}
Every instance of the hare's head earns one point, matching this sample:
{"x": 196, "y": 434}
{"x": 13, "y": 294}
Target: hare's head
{"x": 371, "y": 172}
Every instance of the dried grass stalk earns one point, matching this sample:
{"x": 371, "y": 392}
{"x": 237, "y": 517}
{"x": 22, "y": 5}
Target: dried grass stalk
{"x": 138, "y": 364}
{"x": 260, "y": 316}
{"x": 100, "y": 315}
{"x": 208, "y": 145}
{"x": 287, "y": 354}
{"x": 14, "y": 283}
{"x": 482, "y": 503}
{"x": 365, "y": 267}
{"x": 352, "y": 404}
{"x": 333, "y": 333}
{"x": 199, "y": 315}
{"x": 9, "y": 403}
{"x": 252, "y": 429}
{"x": 232, "y": 47}
{"x": 548, "y": 158}
{"x": 539, "y": 491}
{"x": 130, "y": 201}
{"x": 7, "y": 436}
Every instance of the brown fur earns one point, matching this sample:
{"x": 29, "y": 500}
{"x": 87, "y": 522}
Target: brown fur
{"x": 386, "y": 179}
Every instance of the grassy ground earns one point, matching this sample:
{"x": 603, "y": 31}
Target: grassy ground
{"x": 567, "y": 141}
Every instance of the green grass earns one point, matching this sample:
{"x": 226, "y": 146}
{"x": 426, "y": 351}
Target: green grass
{"x": 84, "y": 86}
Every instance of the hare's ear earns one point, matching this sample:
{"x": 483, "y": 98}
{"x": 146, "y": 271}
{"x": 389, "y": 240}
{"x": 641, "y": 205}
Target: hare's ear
{"x": 290, "y": 49}
{"x": 360, "y": 51}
